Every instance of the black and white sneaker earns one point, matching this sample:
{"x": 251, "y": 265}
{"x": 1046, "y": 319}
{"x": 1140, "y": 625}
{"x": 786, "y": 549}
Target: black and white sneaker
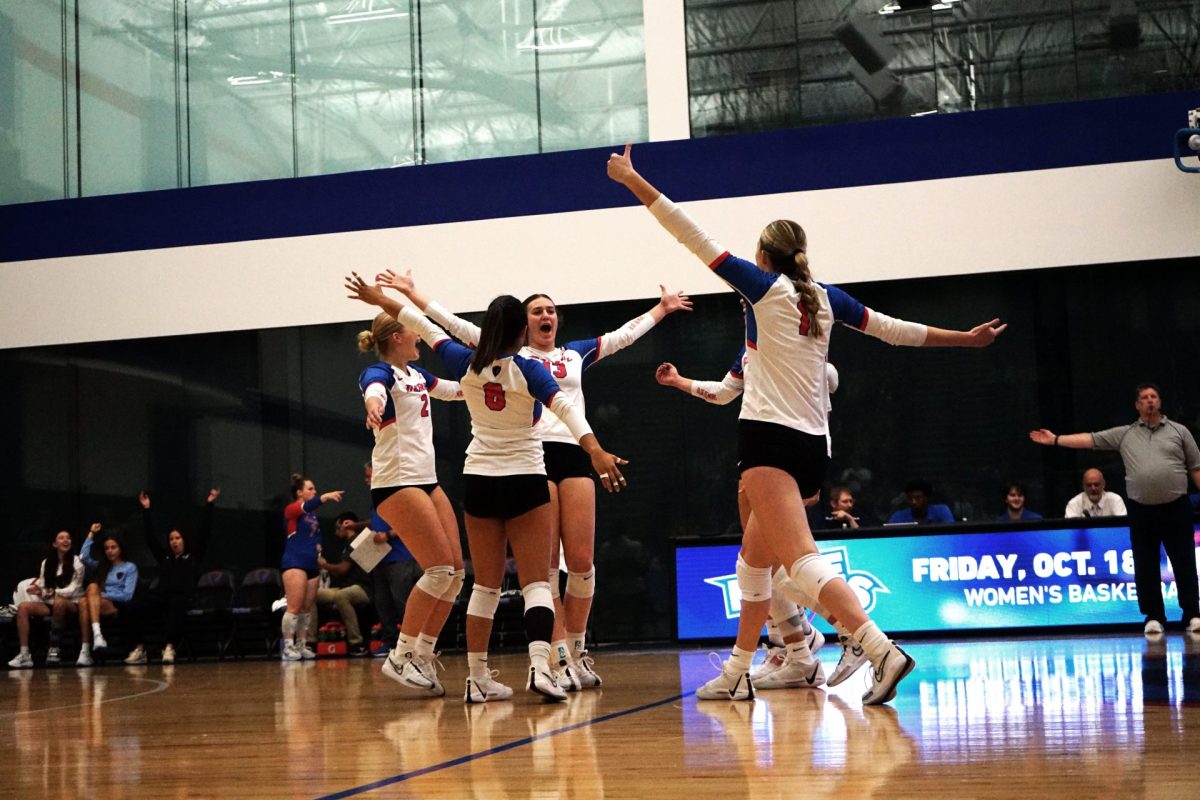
{"x": 890, "y": 670}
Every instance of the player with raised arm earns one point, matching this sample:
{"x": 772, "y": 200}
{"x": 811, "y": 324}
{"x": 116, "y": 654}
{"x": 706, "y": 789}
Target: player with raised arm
{"x": 568, "y": 468}
{"x": 783, "y": 426}
{"x": 406, "y": 495}
{"x": 506, "y": 498}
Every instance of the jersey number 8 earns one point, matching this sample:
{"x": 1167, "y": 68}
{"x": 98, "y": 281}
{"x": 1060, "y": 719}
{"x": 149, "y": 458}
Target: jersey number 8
{"x": 493, "y": 396}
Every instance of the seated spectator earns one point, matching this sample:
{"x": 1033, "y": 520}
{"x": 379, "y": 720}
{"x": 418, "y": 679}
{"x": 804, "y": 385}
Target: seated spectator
{"x": 55, "y": 592}
{"x": 108, "y": 592}
{"x": 1014, "y": 504}
{"x": 839, "y": 512}
{"x": 1093, "y": 501}
{"x": 347, "y": 585}
{"x": 175, "y": 591}
{"x": 920, "y": 511}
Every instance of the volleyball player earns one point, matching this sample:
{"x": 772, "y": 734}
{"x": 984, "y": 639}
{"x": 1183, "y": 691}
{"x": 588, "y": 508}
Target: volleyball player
{"x": 299, "y": 565}
{"x": 568, "y": 468}
{"x": 406, "y": 495}
{"x": 793, "y": 643}
{"x": 782, "y": 429}
{"x": 506, "y": 498}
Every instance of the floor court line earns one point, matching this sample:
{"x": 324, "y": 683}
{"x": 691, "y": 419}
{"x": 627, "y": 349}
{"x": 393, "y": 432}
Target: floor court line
{"x": 491, "y": 751}
{"x": 159, "y": 686}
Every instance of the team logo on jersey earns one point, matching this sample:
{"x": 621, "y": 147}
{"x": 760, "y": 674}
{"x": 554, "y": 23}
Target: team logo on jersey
{"x": 865, "y": 585}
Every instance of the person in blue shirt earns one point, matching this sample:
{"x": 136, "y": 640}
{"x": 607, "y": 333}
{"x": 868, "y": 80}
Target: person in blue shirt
{"x": 1014, "y": 504}
{"x": 920, "y": 511}
{"x": 110, "y": 589}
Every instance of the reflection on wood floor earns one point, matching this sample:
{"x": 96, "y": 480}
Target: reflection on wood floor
{"x": 1114, "y": 717}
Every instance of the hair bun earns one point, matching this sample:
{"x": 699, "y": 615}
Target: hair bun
{"x": 366, "y": 341}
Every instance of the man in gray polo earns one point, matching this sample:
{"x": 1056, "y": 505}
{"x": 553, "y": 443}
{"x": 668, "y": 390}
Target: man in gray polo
{"x": 1159, "y": 456}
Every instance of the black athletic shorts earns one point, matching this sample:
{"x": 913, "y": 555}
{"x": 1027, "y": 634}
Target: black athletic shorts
{"x": 804, "y": 456}
{"x": 379, "y": 495}
{"x": 503, "y": 496}
{"x": 565, "y": 461}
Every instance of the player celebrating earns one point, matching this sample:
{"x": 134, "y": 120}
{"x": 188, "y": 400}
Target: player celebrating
{"x": 568, "y": 468}
{"x": 783, "y": 426}
{"x": 506, "y": 498}
{"x": 406, "y": 494}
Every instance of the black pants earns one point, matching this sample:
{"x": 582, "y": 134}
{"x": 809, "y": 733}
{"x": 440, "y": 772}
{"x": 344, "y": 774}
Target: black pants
{"x": 1167, "y": 526}
{"x": 149, "y": 606}
{"x": 390, "y": 586}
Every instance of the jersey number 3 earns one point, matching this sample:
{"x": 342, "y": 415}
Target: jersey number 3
{"x": 493, "y": 396}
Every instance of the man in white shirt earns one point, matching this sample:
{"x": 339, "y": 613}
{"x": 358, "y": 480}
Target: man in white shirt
{"x": 1093, "y": 501}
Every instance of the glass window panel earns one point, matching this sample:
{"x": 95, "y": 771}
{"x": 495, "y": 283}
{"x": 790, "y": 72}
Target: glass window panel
{"x": 477, "y": 82}
{"x": 591, "y": 73}
{"x": 765, "y": 64}
{"x": 32, "y": 106}
{"x": 239, "y": 91}
{"x": 128, "y": 105}
{"x": 354, "y": 86}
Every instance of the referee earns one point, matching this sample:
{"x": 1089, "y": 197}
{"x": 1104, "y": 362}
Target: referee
{"x": 1159, "y": 456}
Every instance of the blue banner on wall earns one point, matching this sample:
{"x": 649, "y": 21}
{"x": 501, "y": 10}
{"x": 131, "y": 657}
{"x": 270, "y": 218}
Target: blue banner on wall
{"x": 957, "y": 581}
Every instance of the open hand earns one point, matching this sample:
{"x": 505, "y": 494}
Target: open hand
{"x": 674, "y": 301}
{"x": 361, "y": 290}
{"x": 401, "y": 283}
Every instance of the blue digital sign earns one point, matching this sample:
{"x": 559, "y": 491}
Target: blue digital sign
{"x": 952, "y": 581}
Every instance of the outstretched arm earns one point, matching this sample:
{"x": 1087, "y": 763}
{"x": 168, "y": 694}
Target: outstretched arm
{"x": 979, "y": 336}
{"x": 1077, "y": 441}
{"x": 717, "y": 392}
{"x": 620, "y": 169}
{"x": 458, "y": 327}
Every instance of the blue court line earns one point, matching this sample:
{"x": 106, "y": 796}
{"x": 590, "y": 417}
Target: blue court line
{"x": 454, "y": 762}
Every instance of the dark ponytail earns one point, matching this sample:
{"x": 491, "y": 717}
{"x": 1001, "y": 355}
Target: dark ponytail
{"x": 503, "y": 324}
{"x": 298, "y": 482}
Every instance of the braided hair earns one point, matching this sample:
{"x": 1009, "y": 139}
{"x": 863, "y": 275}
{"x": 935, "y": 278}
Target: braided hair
{"x": 785, "y": 245}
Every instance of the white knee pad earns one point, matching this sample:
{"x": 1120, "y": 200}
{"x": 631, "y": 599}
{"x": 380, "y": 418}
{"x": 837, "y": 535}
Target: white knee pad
{"x": 436, "y": 580}
{"x": 289, "y": 624}
{"x": 484, "y": 602}
{"x": 457, "y": 578}
{"x": 782, "y": 584}
{"x": 754, "y": 582}
{"x": 810, "y": 573}
{"x": 537, "y": 594}
{"x": 582, "y": 584}
{"x": 552, "y": 579}
{"x": 785, "y": 612}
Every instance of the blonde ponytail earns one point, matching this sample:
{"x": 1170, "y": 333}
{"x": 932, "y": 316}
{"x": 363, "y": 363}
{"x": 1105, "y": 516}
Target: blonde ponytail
{"x": 785, "y": 244}
{"x": 382, "y": 328}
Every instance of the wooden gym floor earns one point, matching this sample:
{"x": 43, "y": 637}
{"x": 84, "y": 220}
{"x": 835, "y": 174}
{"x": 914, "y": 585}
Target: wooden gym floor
{"x": 1051, "y": 719}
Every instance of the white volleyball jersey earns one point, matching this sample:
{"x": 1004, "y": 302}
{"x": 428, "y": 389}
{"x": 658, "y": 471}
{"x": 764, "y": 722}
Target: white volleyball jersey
{"x": 566, "y": 364}
{"x": 787, "y": 384}
{"x": 506, "y": 400}
{"x": 403, "y": 454}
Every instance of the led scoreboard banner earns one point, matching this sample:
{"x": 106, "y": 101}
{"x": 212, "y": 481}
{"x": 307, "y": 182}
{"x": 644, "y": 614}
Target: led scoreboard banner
{"x": 942, "y": 579}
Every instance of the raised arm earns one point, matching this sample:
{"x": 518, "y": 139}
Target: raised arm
{"x": 1076, "y": 441}
{"x": 148, "y": 530}
{"x": 620, "y": 169}
{"x": 205, "y": 534}
{"x": 459, "y": 328}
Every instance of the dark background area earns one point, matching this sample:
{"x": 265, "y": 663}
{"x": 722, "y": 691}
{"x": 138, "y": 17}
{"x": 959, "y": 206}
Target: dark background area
{"x": 89, "y": 425}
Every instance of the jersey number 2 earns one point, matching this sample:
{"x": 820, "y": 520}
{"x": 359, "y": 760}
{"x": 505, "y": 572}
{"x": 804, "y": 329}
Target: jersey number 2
{"x": 424, "y": 405}
{"x": 493, "y": 396}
